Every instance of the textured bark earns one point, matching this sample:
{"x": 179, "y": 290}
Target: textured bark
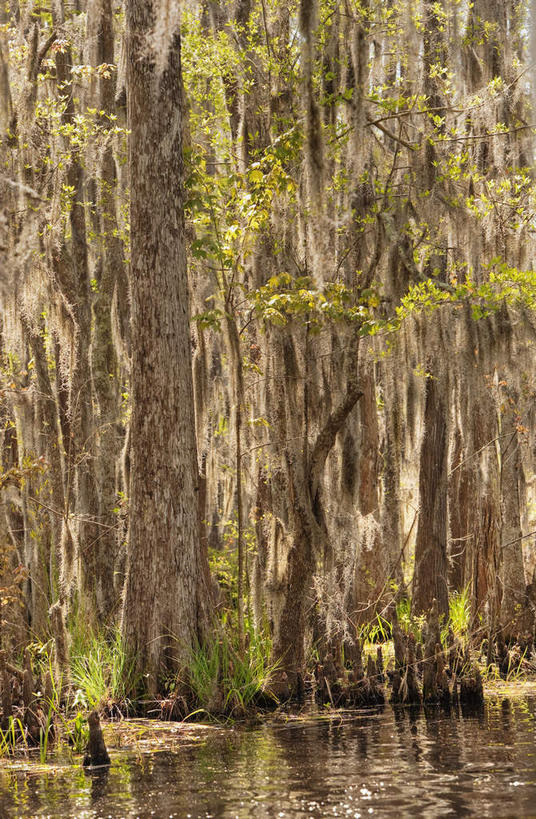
{"x": 50, "y": 447}
{"x": 105, "y": 370}
{"x": 460, "y": 512}
{"x": 72, "y": 275}
{"x": 96, "y": 754}
{"x": 162, "y": 606}
{"x": 304, "y": 463}
{"x": 430, "y": 581}
{"x": 516, "y": 619}
{"x": 13, "y": 622}
{"x": 294, "y": 534}
{"x": 391, "y": 456}
{"x": 34, "y": 533}
{"x": 237, "y": 380}
{"x": 372, "y": 569}
{"x": 483, "y": 549}
{"x": 313, "y": 129}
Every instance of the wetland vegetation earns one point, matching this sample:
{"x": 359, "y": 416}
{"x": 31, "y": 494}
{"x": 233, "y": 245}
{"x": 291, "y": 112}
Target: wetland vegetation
{"x": 267, "y": 395}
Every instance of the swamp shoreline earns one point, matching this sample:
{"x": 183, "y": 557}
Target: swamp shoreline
{"x": 384, "y": 760}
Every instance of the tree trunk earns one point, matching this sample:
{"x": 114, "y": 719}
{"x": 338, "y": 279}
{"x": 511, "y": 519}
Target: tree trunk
{"x": 372, "y": 563}
{"x": 460, "y": 511}
{"x": 431, "y": 547}
{"x": 71, "y": 269}
{"x": 515, "y": 618}
{"x": 108, "y": 269}
{"x": 162, "y": 605}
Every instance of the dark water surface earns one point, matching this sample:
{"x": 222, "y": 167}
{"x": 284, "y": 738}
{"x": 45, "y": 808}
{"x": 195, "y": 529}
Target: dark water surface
{"x": 375, "y": 763}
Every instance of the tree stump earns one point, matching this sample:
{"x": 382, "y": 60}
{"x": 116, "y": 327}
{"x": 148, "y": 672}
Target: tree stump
{"x": 96, "y": 753}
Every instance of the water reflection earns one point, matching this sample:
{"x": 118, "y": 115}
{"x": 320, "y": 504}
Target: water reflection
{"x": 381, "y": 762}
{"x": 99, "y": 782}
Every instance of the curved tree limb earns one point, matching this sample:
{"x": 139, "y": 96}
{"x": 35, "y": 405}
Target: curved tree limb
{"x": 326, "y": 436}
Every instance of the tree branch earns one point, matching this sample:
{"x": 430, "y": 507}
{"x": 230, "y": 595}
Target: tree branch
{"x": 44, "y": 49}
{"x": 326, "y": 436}
{"x": 412, "y": 146}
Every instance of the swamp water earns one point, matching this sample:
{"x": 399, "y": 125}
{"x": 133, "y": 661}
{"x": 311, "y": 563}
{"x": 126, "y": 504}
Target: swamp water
{"x": 366, "y": 763}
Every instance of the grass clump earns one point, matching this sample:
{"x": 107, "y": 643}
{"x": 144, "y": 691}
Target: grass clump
{"x": 378, "y": 630}
{"x": 12, "y": 737}
{"x": 101, "y": 671}
{"x": 225, "y": 680}
{"x": 460, "y": 613}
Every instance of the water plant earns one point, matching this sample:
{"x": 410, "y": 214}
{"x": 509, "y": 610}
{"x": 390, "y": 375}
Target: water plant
{"x": 403, "y": 613}
{"x": 46, "y": 733}
{"x": 203, "y": 671}
{"x": 407, "y": 620}
{"x": 76, "y": 732}
{"x": 12, "y": 737}
{"x": 5, "y": 740}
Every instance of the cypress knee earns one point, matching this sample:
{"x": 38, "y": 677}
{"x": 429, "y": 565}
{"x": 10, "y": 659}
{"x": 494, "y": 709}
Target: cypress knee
{"x": 96, "y": 753}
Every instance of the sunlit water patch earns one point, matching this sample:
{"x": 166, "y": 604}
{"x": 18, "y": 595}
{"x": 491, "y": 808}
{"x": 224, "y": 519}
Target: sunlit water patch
{"x": 376, "y": 763}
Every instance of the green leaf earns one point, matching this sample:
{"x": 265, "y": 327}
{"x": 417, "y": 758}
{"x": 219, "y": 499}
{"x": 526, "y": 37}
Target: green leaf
{"x": 256, "y": 176}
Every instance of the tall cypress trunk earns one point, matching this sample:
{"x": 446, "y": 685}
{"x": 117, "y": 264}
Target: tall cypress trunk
{"x": 162, "y": 605}
{"x": 513, "y": 614}
{"x": 50, "y": 446}
{"x": 431, "y": 547}
{"x": 108, "y": 270}
{"x": 71, "y": 268}
{"x": 460, "y": 511}
{"x": 372, "y": 562}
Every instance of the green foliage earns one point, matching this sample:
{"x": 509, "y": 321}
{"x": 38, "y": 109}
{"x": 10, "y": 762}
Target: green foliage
{"x": 46, "y": 733}
{"x": 203, "y": 672}
{"x": 224, "y": 566}
{"x": 403, "y": 613}
{"x": 460, "y": 612}
{"x": 284, "y": 298}
{"x": 409, "y": 622}
{"x": 102, "y": 671}
{"x": 377, "y": 631}
{"x": 231, "y": 210}
{"x": 223, "y": 678}
{"x": 75, "y": 730}
{"x": 12, "y": 738}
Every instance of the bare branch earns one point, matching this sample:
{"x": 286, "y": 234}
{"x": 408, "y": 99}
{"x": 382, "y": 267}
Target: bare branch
{"x": 326, "y": 436}
{"x": 412, "y": 146}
